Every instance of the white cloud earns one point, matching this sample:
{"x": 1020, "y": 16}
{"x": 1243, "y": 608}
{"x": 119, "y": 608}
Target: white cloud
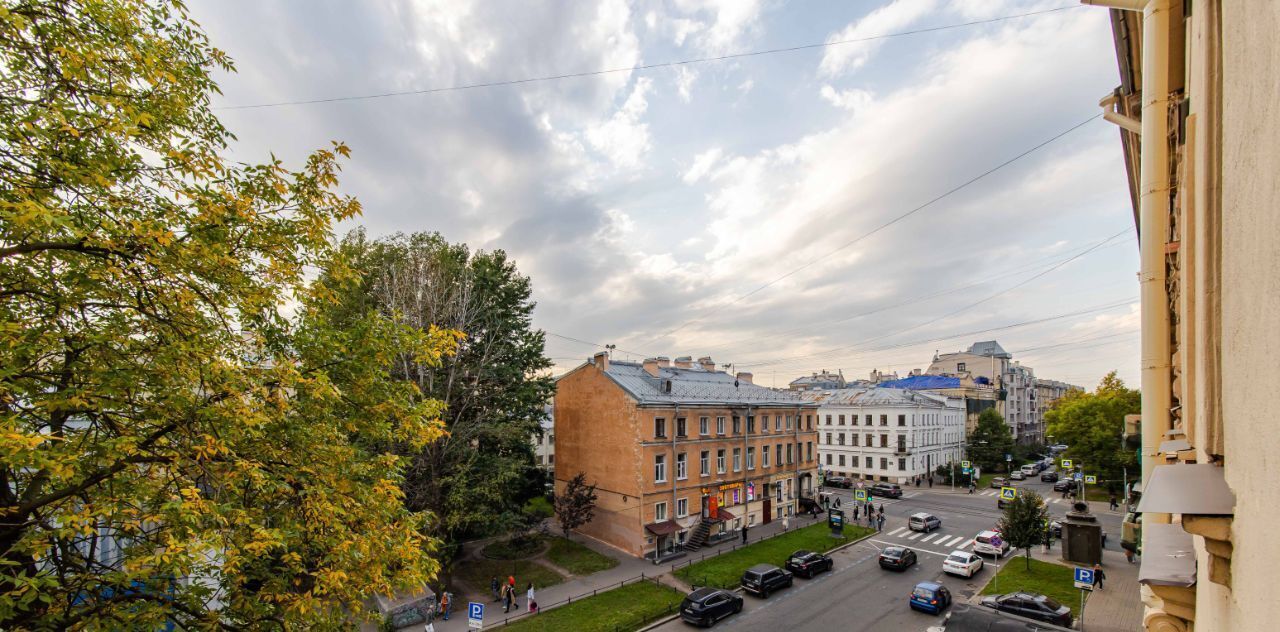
{"x": 897, "y": 15}
{"x": 746, "y": 86}
{"x": 685, "y": 76}
{"x": 846, "y": 99}
{"x": 624, "y": 138}
{"x": 718, "y": 26}
{"x": 702, "y": 164}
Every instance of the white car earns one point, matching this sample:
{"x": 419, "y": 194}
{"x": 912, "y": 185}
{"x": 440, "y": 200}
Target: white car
{"x": 990, "y": 543}
{"x": 962, "y": 563}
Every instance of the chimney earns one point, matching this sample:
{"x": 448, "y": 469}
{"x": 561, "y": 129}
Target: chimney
{"x": 663, "y": 361}
{"x": 602, "y": 360}
{"x": 684, "y": 362}
{"x": 707, "y": 363}
{"x": 744, "y": 377}
{"x": 651, "y": 366}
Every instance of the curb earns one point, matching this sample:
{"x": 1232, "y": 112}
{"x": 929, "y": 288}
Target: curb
{"x": 663, "y": 621}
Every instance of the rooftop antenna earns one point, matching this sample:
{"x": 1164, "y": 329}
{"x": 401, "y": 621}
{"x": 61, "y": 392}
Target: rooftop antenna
{"x": 609, "y": 349}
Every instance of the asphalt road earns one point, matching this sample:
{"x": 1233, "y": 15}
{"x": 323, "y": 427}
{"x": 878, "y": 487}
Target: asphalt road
{"x": 859, "y": 595}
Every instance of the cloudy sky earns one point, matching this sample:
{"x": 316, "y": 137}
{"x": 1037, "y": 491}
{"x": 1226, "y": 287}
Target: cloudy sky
{"x": 727, "y": 208}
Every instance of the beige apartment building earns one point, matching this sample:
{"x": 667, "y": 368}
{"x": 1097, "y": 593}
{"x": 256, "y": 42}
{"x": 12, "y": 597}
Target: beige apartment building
{"x": 681, "y": 453}
{"x": 1198, "y": 109}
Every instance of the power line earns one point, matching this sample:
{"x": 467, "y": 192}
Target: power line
{"x": 885, "y": 225}
{"x": 641, "y": 67}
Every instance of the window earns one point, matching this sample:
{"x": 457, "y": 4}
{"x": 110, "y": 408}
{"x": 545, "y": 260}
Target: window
{"x": 719, "y": 425}
{"x": 884, "y": 420}
{"x": 659, "y": 512}
{"x": 841, "y": 420}
{"x": 737, "y": 459}
{"x": 884, "y": 463}
{"x": 751, "y": 458}
{"x": 828, "y": 420}
{"x": 751, "y": 424}
{"x": 681, "y": 429}
{"x": 682, "y": 507}
{"x": 902, "y": 443}
{"x": 868, "y": 463}
{"x": 808, "y": 450}
{"x": 789, "y": 421}
{"x": 841, "y": 460}
{"x": 778, "y": 452}
{"x": 828, "y": 459}
{"x": 720, "y": 461}
{"x": 777, "y": 422}
{"x": 764, "y": 423}
{"x": 959, "y": 366}
{"x": 660, "y": 468}
{"x": 704, "y": 463}
{"x": 884, "y": 440}
{"x": 902, "y": 465}
{"x": 659, "y": 427}
{"x": 764, "y": 457}
{"x": 868, "y": 420}
{"x": 682, "y": 466}
{"x": 902, "y": 420}
{"x": 704, "y": 425}
{"x": 840, "y": 437}
{"x": 790, "y": 458}
{"x": 868, "y": 440}
{"x": 808, "y": 422}
{"x": 737, "y": 424}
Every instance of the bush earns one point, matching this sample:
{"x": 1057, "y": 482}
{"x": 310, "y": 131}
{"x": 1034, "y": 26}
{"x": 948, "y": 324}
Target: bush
{"x": 539, "y": 508}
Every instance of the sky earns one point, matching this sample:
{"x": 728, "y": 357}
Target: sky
{"x": 832, "y": 207}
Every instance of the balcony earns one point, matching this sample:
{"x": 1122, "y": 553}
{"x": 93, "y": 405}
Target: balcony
{"x": 902, "y": 450}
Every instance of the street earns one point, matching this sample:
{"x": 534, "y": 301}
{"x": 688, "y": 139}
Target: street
{"x": 859, "y": 595}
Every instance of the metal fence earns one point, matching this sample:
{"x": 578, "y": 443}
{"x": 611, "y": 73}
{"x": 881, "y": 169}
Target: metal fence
{"x": 640, "y": 620}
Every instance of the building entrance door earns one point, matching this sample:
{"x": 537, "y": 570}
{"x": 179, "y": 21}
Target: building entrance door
{"x": 768, "y": 510}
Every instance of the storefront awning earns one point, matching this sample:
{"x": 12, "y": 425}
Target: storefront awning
{"x": 725, "y": 514}
{"x": 666, "y": 527}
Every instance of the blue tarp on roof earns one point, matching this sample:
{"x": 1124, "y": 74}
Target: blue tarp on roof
{"x": 921, "y": 382}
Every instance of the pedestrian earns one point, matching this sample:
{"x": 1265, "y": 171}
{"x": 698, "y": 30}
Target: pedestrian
{"x": 837, "y": 503}
{"x": 1128, "y": 555}
{"x": 445, "y": 604}
{"x": 1098, "y": 575}
{"x": 930, "y": 482}
{"x": 529, "y": 596}
{"x": 855, "y": 513}
{"x": 493, "y": 587}
{"x": 1114, "y": 504}
{"x": 744, "y": 534}
{"x": 881, "y": 527}
{"x": 786, "y": 523}
{"x": 506, "y": 598}
{"x": 881, "y": 507}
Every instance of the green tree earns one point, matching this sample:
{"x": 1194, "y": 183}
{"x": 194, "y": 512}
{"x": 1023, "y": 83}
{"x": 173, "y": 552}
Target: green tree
{"x": 1024, "y": 522}
{"x": 170, "y": 434}
{"x": 990, "y": 441}
{"x": 576, "y": 504}
{"x": 495, "y": 386}
{"x": 1092, "y": 424}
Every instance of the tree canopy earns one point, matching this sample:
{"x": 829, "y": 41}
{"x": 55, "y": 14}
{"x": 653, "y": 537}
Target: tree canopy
{"x": 177, "y": 447}
{"x": 1091, "y": 424}
{"x": 1025, "y": 521}
{"x": 990, "y": 440}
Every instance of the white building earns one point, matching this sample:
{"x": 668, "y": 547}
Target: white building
{"x": 887, "y": 434}
{"x": 1020, "y": 392}
{"x": 544, "y": 443}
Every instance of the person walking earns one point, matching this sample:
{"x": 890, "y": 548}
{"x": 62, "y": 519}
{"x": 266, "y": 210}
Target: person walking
{"x": 930, "y": 482}
{"x": 528, "y": 595}
{"x": 506, "y": 598}
{"x": 881, "y": 523}
{"x": 1098, "y": 575}
{"x": 445, "y": 604}
{"x": 855, "y": 513}
{"x": 494, "y": 587}
{"x": 1114, "y": 503}
{"x": 881, "y": 507}
{"x": 1128, "y": 555}
{"x": 786, "y": 523}
{"x": 744, "y": 532}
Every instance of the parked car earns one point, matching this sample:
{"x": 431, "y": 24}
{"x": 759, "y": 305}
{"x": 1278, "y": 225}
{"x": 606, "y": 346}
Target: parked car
{"x": 1032, "y": 606}
{"x": 1017, "y": 475}
{"x": 923, "y": 522}
{"x": 897, "y": 558}
{"x": 1030, "y": 469}
{"x": 807, "y": 563}
{"x": 962, "y": 563}
{"x": 763, "y": 579}
{"x": 930, "y": 597}
{"x": 839, "y": 481}
{"x": 990, "y": 543}
{"x": 705, "y": 606}
{"x": 885, "y": 490}
{"x": 998, "y": 482}
{"x": 1049, "y": 477}
{"x": 1064, "y": 485}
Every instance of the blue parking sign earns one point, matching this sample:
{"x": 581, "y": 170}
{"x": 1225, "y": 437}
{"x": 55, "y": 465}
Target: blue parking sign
{"x": 1084, "y": 578}
{"x": 475, "y": 614}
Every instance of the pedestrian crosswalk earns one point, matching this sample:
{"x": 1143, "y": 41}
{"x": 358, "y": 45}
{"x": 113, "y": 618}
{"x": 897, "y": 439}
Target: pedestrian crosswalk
{"x": 1050, "y": 501}
{"x": 944, "y": 540}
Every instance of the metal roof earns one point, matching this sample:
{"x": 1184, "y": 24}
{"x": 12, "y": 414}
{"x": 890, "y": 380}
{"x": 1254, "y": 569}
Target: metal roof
{"x": 1188, "y": 488}
{"x": 695, "y": 385}
{"x": 876, "y": 396}
{"x": 989, "y": 348}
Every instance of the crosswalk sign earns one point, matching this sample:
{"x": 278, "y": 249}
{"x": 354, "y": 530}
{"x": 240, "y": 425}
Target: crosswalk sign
{"x": 1090, "y": 479}
{"x": 964, "y": 464}
{"x": 1066, "y": 464}
{"x": 860, "y": 495}
{"x": 1008, "y": 493}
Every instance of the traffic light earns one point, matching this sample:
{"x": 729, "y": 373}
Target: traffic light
{"x": 1132, "y": 435}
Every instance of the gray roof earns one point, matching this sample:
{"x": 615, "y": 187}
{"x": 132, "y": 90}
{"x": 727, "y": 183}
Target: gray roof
{"x": 694, "y": 386}
{"x": 989, "y": 348}
{"x": 876, "y": 396}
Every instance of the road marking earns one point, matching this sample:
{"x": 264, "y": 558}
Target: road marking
{"x": 957, "y": 541}
{"x": 914, "y": 536}
{"x": 896, "y": 531}
{"x": 943, "y": 541}
{"x": 929, "y": 537}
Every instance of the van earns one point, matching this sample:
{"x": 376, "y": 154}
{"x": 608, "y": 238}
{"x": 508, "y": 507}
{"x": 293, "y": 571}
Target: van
{"x": 923, "y": 522}
{"x": 1030, "y": 470}
{"x": 990, "y": 543}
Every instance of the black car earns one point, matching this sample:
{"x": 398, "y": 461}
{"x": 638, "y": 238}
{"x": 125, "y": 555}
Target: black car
{"x": 1031, "y": 606}
{"x": 1064, "y": 485}
{"x": 705, "y": 606}
{"x": 1049, "y": 477}
{"x": 897, "y": 558}
{"x": 763, "y": 579}
{"x": 885, "y": 490}
{"x": 807, "y": 563}
{"x": 838, "y": 481}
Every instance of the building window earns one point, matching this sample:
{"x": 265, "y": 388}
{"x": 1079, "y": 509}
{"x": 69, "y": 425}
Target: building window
{"x": 884, "y": 420}
{"x": 764, "y": 423}
{"x": 808, "y": 450}
{"x": 828, "y": 420}
{"x": 682, "y": 466}
{"x": 869, "y": 440}
{"x": 828, "y": 459}
{"x": 902, "y": 420}
{"x": 789, "y": 422}
{"x": 884, "y": 440}
{"x": 737, "y": 425}
{"x": 841, "y": 420}
{"x": 840, "y": 437}
{"x": 902, "y": 465}
{"x": 868, "y": 420}
{"x": 790, "y": 459}
{"x": 841, "y": 460}
{"x": 720, "y": 461}
{"x": 778, "y": 452}
{"x": 737, "y": 459}
{"x": 719, "y": 425}
{"x": 764, "y": 457}
{"x": 751, "y": 424}
{"x": 660, "y": 468}
{"x": 681, "y": 427}
{"x": 808, "y": 422}
{"x": 777, "y": 422}
{"x": 704, "y": 463}
{"x": 959, "y": 366}
{"x": 704, "y": 425}
{"x": 868, "y": 463}
{"x": 659, "y": 512}
{"x": 551, "y": 459}
{"x": 751, "y": 458}
{"x": 884, "y": 463}
{"x": 660, "y": 427}
{"x": 682, "y": 507}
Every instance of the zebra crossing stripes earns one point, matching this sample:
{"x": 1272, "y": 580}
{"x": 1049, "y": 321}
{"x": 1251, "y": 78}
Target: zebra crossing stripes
{"x": 897, "y": 531}
{"x": 929, "y": 537}
{"x": 914, "y": 536}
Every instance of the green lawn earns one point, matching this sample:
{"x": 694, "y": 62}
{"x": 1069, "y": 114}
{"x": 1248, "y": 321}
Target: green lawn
{"x": 576, "y": 558}
{"x": 1054, "y": 580}
{"x": 515, "y": 549}
{"x": 477, "y": 573}
{"x": 725, "y": 571}
{"x": 625, "y": 608}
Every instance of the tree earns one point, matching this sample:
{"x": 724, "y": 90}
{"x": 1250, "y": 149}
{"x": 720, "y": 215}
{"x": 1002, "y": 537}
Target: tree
{"x": 990, "y": 440}
{"x": 1091, "y": 425}
{"x": 576, "y": 505}
{"x": 1024, "y": 522}
{"x": 495, "y": 387}
{"x": 171, "y": 436}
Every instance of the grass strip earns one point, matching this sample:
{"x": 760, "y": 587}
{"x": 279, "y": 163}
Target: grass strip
{"x": 626, "y": 608}
{"x": 725, "y": 570}
{"x": 576, "y": 558}
{"x": 1045, "y": 578}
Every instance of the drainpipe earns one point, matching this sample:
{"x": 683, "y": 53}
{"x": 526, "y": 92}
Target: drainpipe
{"x": 675, "y": 478}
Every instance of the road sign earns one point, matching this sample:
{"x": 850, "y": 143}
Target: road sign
{"x": 1008, "y": 493}
{"x": 965, "y": 465}
{"x": 1079, "y": 476}
{"x": 1084, "y": 578}
{"x": 475, "y": 615}
{"x": 860, "y": 495}
{"x": 1008, "y": 457}
{"x": 1090, "y": 480}
{"x": 1066, "y": 464}
{"x": 964, "y": 470}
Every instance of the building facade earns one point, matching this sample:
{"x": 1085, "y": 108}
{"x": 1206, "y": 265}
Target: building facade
{"x": 818, "y": 381}
{"x": 544, "y": 443}
{"x": 1200, "y": 133}
{"x": 887, "y": 434}
{"x": 681, "y": 453}
{"x": 976, "y": 394}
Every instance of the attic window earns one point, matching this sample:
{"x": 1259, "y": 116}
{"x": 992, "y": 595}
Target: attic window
{"x": 666, "y": 386}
